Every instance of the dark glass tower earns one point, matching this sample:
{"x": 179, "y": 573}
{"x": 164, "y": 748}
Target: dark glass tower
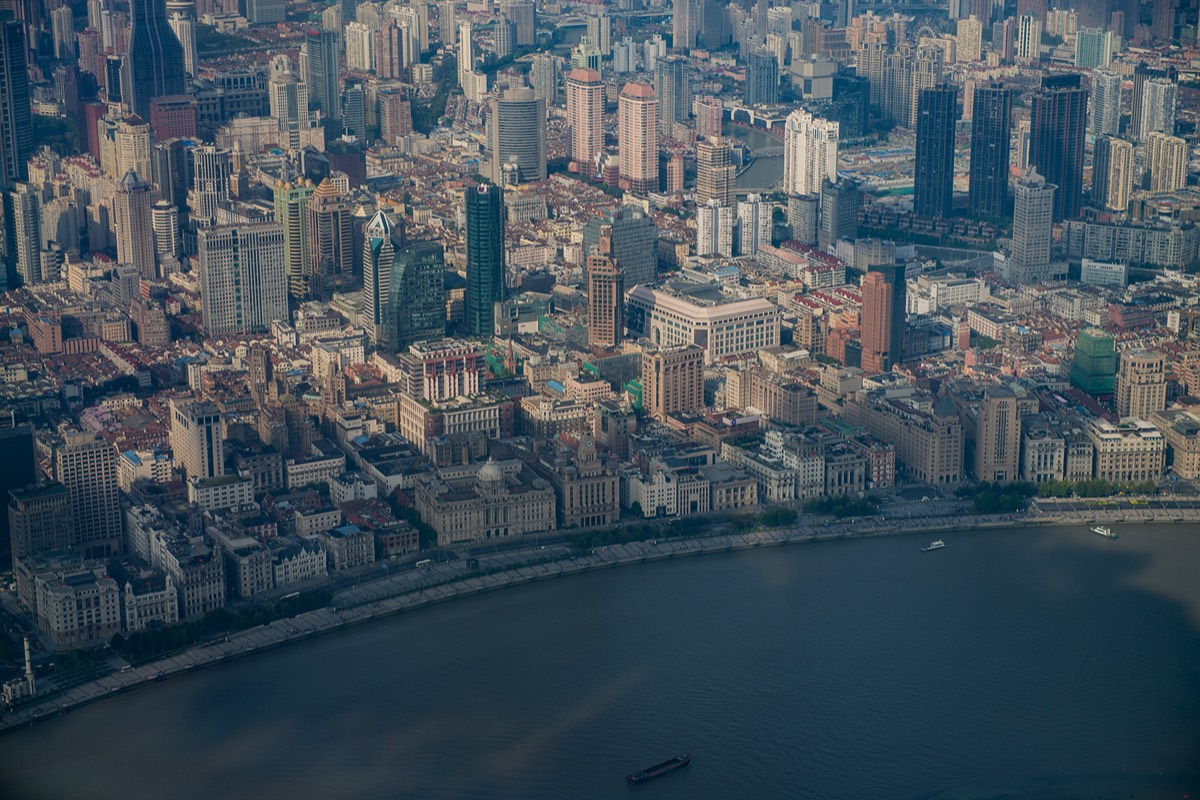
{"x": 633, "y": 242}
{"x": 991, "y": 127}
{"x": 417, "y": 307}
{"x": 320, "y": 53}
{"x": 16, "y": 135}
{"x": 154, "y": 60}
{"x": 1056, "y": 132}
{"x": 485, "y": 257}
{"x": 933, "y": 177}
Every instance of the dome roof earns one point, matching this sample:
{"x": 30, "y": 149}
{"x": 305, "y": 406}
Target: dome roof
{"x": 490, "y": 472}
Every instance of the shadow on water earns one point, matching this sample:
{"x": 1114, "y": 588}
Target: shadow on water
{"x": 1032, "y": 664}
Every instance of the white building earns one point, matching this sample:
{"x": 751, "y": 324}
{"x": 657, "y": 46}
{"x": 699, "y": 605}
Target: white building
{"x": 242, "y": 283}
{"x": 754, "y": 224}
{"x": 810, "y": 153}
{"x": 1104, "y": 273}
{"x": 714, "y": 230}
{"x": 722, "y": 329}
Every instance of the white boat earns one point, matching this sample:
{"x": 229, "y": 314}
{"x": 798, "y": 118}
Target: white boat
{"x": 1105, "y": 532}
{"x": 938, "y": 545}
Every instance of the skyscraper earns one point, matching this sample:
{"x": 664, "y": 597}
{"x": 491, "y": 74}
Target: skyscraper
{"x": 810, "y": 152}
{"x": 416, "y": 307}
{"x": 185, "y": 31}
{"x": 242, "y": 282}
{"x": 633, "y": 242}
{"x": 524, "y": 16}
{"x": 544, "y": 75}
{"x": 1158, "y": 107}
{"x": 969, "y": 37}
{"x": 164, "y": 218}
{"x": 883, "y": 308}
{"x": 153, "y": 65}
{"x": 321, "y": 71}
{"x": 23, "y": 231}
{"x": 486, "y": 276}
{"x": 16, "y": 128}
{"x": 1093, "y": 48}
{"x": 1141, "y": 74}
{"x": 839, "y": 213}
{"x": 716, "y": 175}
{"x": 673, "y": 380}
{"x": 671, "y": 88}
{"x": 933, "y": 176}
{"x": 1166, "y": 161}
{"x": 714, "y": 229}
{"x": 210, "y": 182}
{"x": 998, "y": 436}
{"x": 1056, "y": 134}
{"x": 131, "y": 218}
{"x": 39, "y": 518}
{"x": 291, "y": 199}
{"x": 1033, "y": 221}
{"x": 1104, "y": 118}
{"x": 382, "y": 239}
{"x": 517, "y": 128}
{"x": 606, "y": 295}
{"x": 197, "y": 438}
{"x": 684, "y": 24}
{"x": 762, "y": 78}
{"x": 1029, "y": 38}
{"x": 87, "y": 465}
{"x": 329, "y": 229}
{"x": 637, "y": 131}
{"x": 585, "y": 118}
{"x": 1141, "y": 384}
{"x": 754, "y": 225}
{"x": 1112, "y": 173}
{"x": 354, "y": 109}
{"x": 991, "y": 128}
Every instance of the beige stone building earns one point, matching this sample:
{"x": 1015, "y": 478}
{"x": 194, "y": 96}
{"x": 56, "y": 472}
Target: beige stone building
{"x": 78, "y": 609}
{"x": 673, "y": 381}
{"x": 489, "y": 506}
{"x": 1141, "y": 384}
{"x": 1130, "y": 452}
{"x": 927, "y": 435}
{"x": 1181, "y": 428}
{"x": 998, "y": 436}
{"x": 587, "y": 489}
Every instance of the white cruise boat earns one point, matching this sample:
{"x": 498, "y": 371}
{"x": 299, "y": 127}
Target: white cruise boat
{"x": 1107, "y": 533}
{"x": 938, "y": 545}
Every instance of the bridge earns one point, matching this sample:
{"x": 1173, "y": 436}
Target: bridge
{"x": 767, "y": 151}
{"x": 578, "y": 19}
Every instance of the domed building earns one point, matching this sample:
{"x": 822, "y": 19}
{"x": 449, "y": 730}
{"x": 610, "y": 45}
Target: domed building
{"x": 499, "y": 501}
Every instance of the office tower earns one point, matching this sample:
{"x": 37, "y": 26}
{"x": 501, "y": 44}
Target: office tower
{"x": 1141, "y": 384}
{"x": 523, "y": 15}
{"x": 243, "y": 286}
{"x": 1166, "y": 161}
{"x": 633, "y": 242}
{"x": 17, "y": 468}
{"x": 164, "y": 220}
{"x": 291, "y": 199}
{"x": 1029, "y": 38}
{"x": 1104, "y": 114}
{"x": 714, "y": 229}
{"x": 991, "y": 128}
{"x": 153, "y": 64}
{"x": 714, "y": 32}
{"x": 673, "y": 381}
{"x": 810, "y": 152}
{"x": 839, "y": 213}
{"x": 354, "y": 109}
{"x": 585, "y": 55}
{"x": 504, "y": 35}
{"x": 447, "y": 26}
{"x": 637, "y": 132}
{"x": 606, "y": 294}
{"x": 933, "y": 176}
{"x": 395, "y": 115}
{"x": 998, "y": 436}
{"x": 382, "y": 239}
{"x": 185, "y": 31}
{"x": 762, "y": 79}
{"x": 16, "y": 126}
{"x": 197, "y": 438}
{"x": 708, "y": 112}
{"x": 1112, "y": 173}
{"x": 753, "y": 224}
{"x": 883, "y": 308}
{"x": 969, "y": 38}
{"x": 360, "y": 55}
{"x": 684, "y": 24}
{"x": 23, "y": 231}
{"x": 87, "y": 465}
{"x": 63, "y": 33}
{"x": 466, "y": 53}
{"x": 517, "y": 128}
{"x": 210, "y": 184}
{"x": 486, "y": 275}
{"x": 1158, "y": 107}
{"x": 330, "y": 241}
{"x": 132, "y": 223}
{"x": 39, "y": 518}
{"x": 1093, "y": 48}
{"x": 585, "y": 118}
{"x": 716, "y": 175}
{"x": 266, "y": 12}
{"x": 170, "y": 170}
{"x": 394, "y": 50}
{"x": 543, "y": 75}
{"x": 599, "y": 30}
{"x": 1094, "y": 366}
{"x": 671, "y": 88}
{"x": 1057, "y": 124}
{"x": 321, "y": 71}
{"x": 1033, "y": 221}
{"x": 416, "y": 306}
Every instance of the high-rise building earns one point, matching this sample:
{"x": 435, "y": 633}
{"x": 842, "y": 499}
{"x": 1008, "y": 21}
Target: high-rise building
{"x": 753, "y": 224}
{"x": 354, "y": 109}
{"x": 524, "y": 16}
{"x": 839, "y": 213}
{"x": 804, "y": 217}
{"x": 164, "y": 219}
{"x": 1158, "y": 107}
{"x": 504, "y": 35}
{"x": 39, "y": 518}
{"x": 1029, "y": 38}
{"x": 969, "y": 38}
{"x": 883, "y": 308}
{"x": 1094, "y": 367}
{"x": 637, "y": 132}
{"x": 684, "y": 25}
{"x": 762, "y": 79}
{"x": 17, "y": 469}
{"x": 360, "y": 50}
{"x": 1033, "y": 221}
{"x": 291, "y": 200}
{"x": 991, "y": 129}
{"x": 185, "y": 31}
{"x": 62, "y": 29}
{"x": 1162, "y": 19}
{"x": 1141, "y": 74}
{"x": 16, "y": 127}
{"x": 1112, "y": 173}
{"x": 544, "y": 75}
{"x": 210, "y": 182}
{"x": 23, "y": 232}
{"x": 585, "y": 118}
{"x": 599, "y": 30}
{"x": 671, "y": 88}
{"x": 1166, "y": 161}
{"x": 606, "y": 294}
{"x": 904, "y": 74}
{"x": 716, "y": 175}
{"x": 395, "y": 115}
{"x": 153, "y": 64}
{"x": 1104, "y": 114}
{"x": 998, "y": 436}
{"x": 933, "y": 176}
{"x": 1056, "y": 135}
{"x": 382, "y": 239}
{"x": 1141, "y": 384}
{"x": 709, "y": 112}
{"x": 486, "y": 274}
{"x": 131, "y": 218}
{"x": 416, "y": 307}
{"x": 517, "y": 128}
{"x": 243, "y": 286}
{"x": 288, "y": 98}
{"x": 329, "y": 229}
{"x": 810, "y": 152}
{"x": 633, "y": 242}
{"x": 585, "y": 55}
{"x": 1093, "y": 48}
{"x": 715, "y": 224}
{"x": 197, "y": 438}
{"x": 447, "y": 26}
{"x": 673, "y": 380}
{"x": 87, "y": 465}
{"x": 321, "y": 71}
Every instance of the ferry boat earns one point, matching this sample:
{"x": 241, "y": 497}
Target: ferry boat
{"x": 658, "y": 770}
{"x": 938, "y": 545}
{"x": 1107, "y": 533}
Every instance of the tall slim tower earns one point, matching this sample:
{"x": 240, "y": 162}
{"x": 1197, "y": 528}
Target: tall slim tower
{"x": 288, "y": 97}
{"x": 762, "y": 78}
{"x": 321, "y": 65}
{"x": 16, "y": 129}
{"x": 382, "y": 239}
{"x": 1158, "y": 107}
{"x": 153, "y": 65}
{"x": 23, "y": 231}
{"x": 1166, "y": 161}
{"x": 185, "y": 31}
{"x": 585, "y": 118}
{"x": 1112, "y": 173}
{"x": 991, "y": 129}
{"x": 135, "y": 232}
{"x": 1056, "y": 134}
{"x": 810, "y": 152}
{"x": 416, "y": 308}
{"x": 1104, "y": 118}
{"x": 518, "y": 137}
{"x": 998, "y": 436}
{"x": 1033, "y": 221}
{"x": 329, "y": 229}
{"x": 544, "y": 75}
{"x": 637, "y": 131}
{"x": 606, "y": 295}
{"x": 937, "y": 114}
{"x": 87, "y": 465}
{"x": 485, "y": 257}
{"x": 716, "y": 175}
{"x": 883, "y": 308}
{"x": 671, "y": 88}
{"x": 291, "y": 200}
{"x": 683, "y": 24}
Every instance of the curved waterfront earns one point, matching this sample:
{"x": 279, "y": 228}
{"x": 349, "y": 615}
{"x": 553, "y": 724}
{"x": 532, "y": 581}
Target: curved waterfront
{"x": 844, "y": 669}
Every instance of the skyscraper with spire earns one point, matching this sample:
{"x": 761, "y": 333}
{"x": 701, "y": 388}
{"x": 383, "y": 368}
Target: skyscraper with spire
{"x": 382, "y": 239}
{"x": 153, "y": 65}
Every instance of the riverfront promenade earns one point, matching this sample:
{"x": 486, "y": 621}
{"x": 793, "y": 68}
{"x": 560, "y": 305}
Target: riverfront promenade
{"x": 416, "y": 588}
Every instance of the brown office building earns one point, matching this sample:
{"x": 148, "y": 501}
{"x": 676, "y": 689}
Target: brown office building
{"x": 673, "y": 381}
{"x": 883, "y": 307}
{"x": 606, "y": 295}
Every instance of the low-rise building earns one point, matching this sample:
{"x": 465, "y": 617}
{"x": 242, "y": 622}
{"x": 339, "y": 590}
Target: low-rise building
{"x": 226, "y": 491}
{"x": 347, "y": 546}
{"x": 490, "y": 505}
{"x": 1181, "y": 429}
{"x": 78, "y": 609}
{"x": 1129, "y": 452}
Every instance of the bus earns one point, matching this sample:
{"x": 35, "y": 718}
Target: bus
{"x": 424, "y": 563}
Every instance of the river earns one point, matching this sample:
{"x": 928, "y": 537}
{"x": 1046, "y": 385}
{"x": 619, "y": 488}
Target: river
{"x": 1026, "y": 662}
